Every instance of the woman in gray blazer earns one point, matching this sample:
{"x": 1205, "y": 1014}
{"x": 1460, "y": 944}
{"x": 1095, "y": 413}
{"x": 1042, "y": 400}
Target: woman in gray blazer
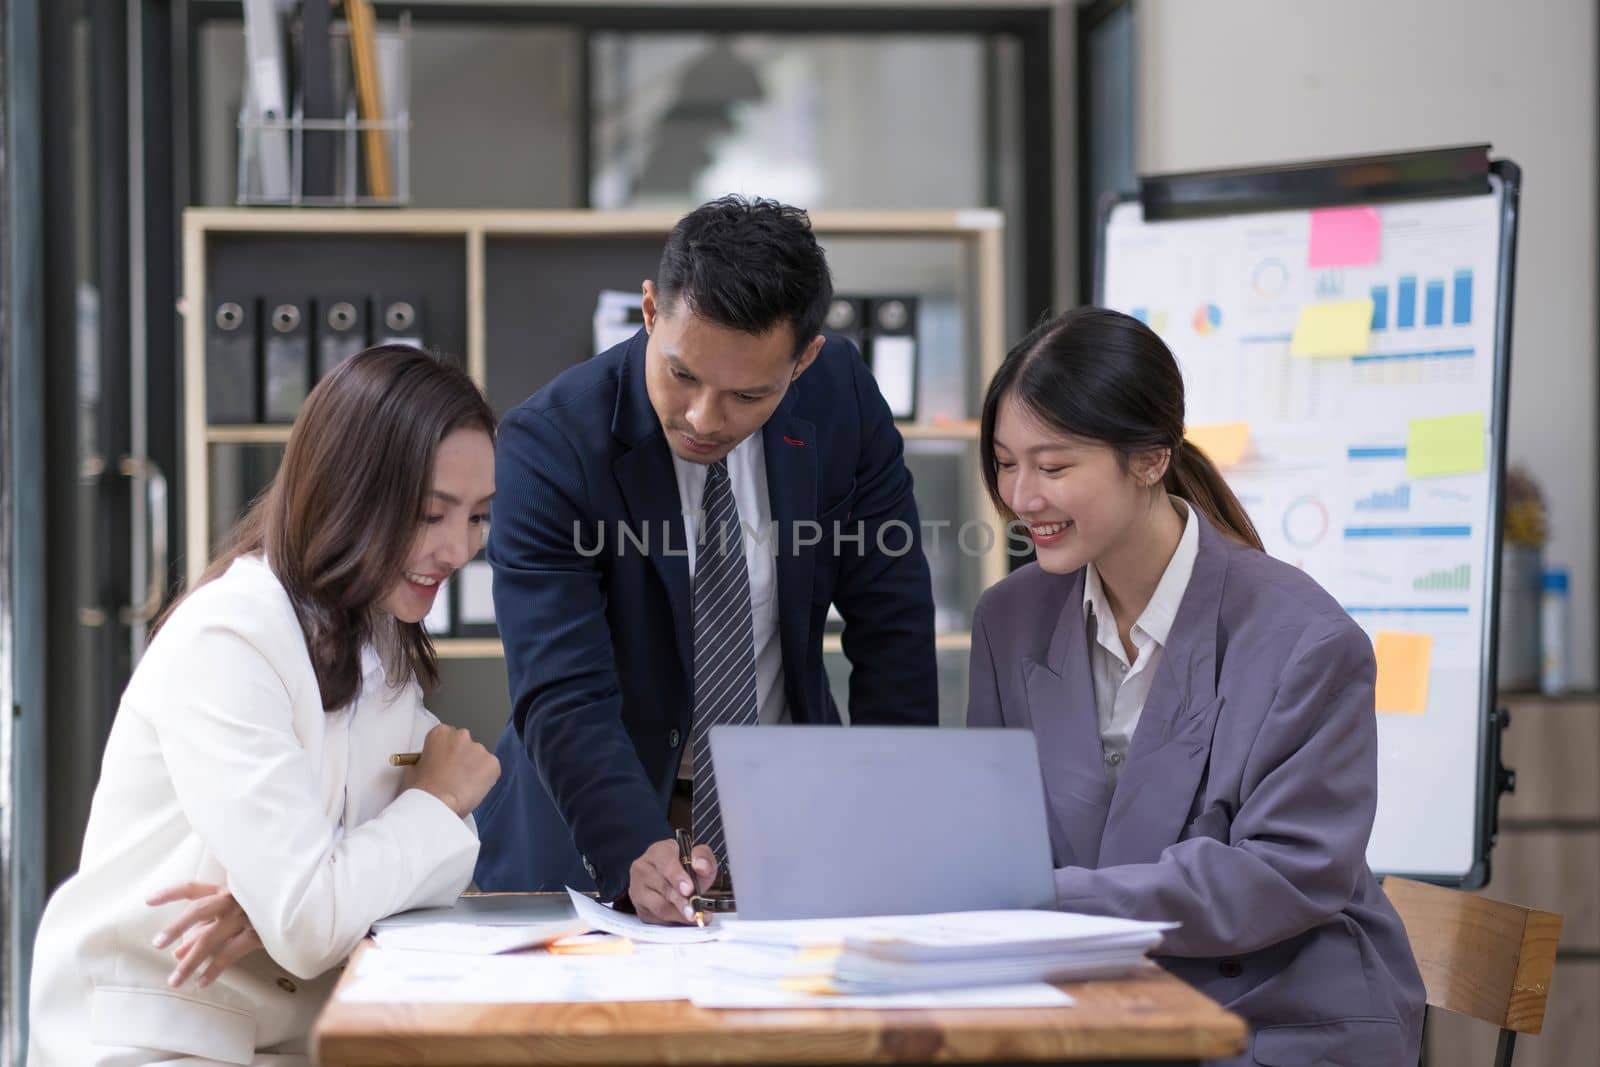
{"x": 1204, "y": 712}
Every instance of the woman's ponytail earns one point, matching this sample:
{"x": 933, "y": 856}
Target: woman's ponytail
{"x": 1192, "y": 476}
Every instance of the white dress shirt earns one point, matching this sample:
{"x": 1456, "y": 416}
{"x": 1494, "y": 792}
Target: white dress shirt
{"x": 1120, "y": 687}
{"x": 747, "y": 475}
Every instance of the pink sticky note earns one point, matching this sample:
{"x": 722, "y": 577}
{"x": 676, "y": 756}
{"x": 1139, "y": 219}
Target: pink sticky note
{"x": 1345, "y": 237}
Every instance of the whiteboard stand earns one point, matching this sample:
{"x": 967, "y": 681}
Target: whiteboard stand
{"x": 1186, "y": 254}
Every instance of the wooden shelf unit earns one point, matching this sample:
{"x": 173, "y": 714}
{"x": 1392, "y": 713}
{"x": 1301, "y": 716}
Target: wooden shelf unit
{"x": 490, "y": 647}
{"x": 979, "y": 230}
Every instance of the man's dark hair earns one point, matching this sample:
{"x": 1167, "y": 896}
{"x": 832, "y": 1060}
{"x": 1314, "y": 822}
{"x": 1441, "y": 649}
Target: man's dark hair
{"x": 749, "y": 265}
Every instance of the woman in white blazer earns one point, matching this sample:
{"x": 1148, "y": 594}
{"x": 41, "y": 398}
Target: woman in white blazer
{"x": 249, "y": 760}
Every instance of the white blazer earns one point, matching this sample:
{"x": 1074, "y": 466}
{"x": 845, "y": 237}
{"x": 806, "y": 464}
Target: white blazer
{"x": 223, "y": 767}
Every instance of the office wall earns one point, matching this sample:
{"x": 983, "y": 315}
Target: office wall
{"x": 1235, "y": 82}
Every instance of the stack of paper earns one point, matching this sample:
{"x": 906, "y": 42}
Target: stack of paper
{"x": 922, "y": 952}
{"x": 960, "y": 959}
{"x": 644, "y": 972}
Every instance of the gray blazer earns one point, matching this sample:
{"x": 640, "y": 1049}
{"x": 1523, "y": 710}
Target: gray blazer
{"x": 1244, "y": 808}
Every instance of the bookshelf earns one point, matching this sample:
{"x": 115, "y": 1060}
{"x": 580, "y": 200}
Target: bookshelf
{"x": 512, "y": 295}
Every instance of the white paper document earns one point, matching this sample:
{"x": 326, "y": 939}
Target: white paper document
{"x": 397, "y": 976}
{"x": 651, "y": 972}
{"x": 475, "y": 940}
{"x": 598, "y": 916}
{"x": 487, "y": 909}
{"x": 960, "y": 960}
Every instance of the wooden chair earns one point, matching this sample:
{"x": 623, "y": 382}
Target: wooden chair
{"x": 1480, "y": 957}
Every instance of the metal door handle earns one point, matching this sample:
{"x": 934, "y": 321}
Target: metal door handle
{"x": 143, "y": 469}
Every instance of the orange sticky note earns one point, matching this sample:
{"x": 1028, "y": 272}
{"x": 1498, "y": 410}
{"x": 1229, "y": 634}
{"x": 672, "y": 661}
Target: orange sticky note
{"x": 1405, "y": 663}
{"x": 591, "y": 945}
{"x": 1223, "y": 442}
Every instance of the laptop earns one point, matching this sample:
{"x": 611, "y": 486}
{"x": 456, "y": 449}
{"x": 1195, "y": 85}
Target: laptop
{"x": 824, "y": 821}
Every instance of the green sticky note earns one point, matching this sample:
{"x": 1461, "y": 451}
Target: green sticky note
{"x": 1340, "y": 329}
{"x": 1453, "y": 444}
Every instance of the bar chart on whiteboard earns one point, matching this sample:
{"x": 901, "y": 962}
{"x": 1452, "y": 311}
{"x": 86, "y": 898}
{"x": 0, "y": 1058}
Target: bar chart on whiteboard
{"x": 1353, "y": 351}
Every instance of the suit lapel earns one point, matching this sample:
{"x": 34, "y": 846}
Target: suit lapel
{"x": 1171, "y": 746}
{"x": 649, "y": 486}
{"x": 789, "y": 445}
{"x": 1061, "y": 710}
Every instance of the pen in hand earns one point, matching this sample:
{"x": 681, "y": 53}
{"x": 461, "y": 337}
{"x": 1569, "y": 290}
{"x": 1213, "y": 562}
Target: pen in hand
{"x": 686, "y": 855}
{"x": 404, "y": 759}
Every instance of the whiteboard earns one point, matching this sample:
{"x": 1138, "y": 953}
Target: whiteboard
{"x": 1324, "y": 476}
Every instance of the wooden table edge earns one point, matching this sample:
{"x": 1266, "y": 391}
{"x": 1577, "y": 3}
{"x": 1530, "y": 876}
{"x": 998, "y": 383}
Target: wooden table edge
{"x": 669, "y": 1033}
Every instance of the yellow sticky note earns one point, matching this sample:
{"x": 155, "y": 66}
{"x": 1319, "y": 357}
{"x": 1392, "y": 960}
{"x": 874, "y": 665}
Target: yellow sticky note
{"x": 1405, "y": 663}
{"x": 1338, "y": 329}
{"x": 1223, "y": 442}
{"x": 1453, "y": 444}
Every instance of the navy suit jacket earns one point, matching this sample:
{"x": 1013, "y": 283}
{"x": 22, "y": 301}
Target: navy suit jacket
{"x": 599, "y": 644}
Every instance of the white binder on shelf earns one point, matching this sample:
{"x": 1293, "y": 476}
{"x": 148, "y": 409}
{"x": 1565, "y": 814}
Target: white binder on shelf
{"x": 266, "y": 101}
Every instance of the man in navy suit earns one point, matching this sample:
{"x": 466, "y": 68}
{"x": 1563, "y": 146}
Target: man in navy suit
{"x": 673, "y": 519}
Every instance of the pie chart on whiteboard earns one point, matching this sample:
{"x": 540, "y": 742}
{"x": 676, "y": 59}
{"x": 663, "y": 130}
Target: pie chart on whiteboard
{"x": 1305, "y": 522}
{"x": 1207, "y": 319}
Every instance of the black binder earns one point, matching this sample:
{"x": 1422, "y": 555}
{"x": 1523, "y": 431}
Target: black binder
{"x": 232, "y": 375}
{"x": 318, "y": 147}
{"x": 341, "y": 329}
{"x": 397, "y": 319}
{"x": 286, "y": 363}
{"x": 847, "y": 318}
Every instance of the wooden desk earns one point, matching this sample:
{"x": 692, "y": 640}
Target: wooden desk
{"x": 1150, "y": 1017}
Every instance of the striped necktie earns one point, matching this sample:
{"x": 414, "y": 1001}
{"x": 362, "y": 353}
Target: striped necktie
{"x": 724, "y": 646}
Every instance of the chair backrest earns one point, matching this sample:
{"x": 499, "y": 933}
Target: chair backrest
{"x": 1479, "y": 957}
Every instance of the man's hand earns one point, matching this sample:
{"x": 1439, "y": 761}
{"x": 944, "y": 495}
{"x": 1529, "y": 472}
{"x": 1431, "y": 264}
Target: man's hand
{"x": 220, "y": 933}
{"x": 659, "y": 887}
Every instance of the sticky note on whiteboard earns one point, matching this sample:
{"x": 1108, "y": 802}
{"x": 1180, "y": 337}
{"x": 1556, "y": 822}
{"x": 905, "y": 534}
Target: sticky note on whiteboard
{"x": 1340, "y": 329}
{"x": 1223, "y": 442}
{"x": 1405, "y": 664}
{"x": 1451, "y": 444}
{"x": 1345, "y": 237}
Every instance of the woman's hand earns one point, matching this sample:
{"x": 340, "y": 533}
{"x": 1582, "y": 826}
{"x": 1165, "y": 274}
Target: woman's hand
{"x": 215, "y": 931}
{"x": 454, "y": 768}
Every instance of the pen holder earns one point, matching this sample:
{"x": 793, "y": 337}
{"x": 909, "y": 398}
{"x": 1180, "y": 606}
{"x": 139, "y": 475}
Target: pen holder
{"x": 296, "y": 161}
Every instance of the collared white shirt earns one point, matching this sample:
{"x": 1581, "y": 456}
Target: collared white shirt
{"x": 1120, "y": 687}
{"x": 747, "y": 473}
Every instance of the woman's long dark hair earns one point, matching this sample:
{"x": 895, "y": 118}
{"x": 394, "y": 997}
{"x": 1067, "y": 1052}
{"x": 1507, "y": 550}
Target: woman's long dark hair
{"x": 1103, "y": 376}
{"x": 343, "y": 514}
